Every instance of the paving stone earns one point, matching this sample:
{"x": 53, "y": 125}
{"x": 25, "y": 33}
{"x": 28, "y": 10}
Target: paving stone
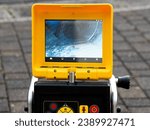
{"x": 131, "y": 33}
{"x": 7, "y": 33}
{"x": 29, "y": 67}
{"x": 16, "y": 76}
{"x": 148, "y": 61}
{"x": 136, "y": 65}
{"x": 133, "y": 82}
{"x": 26, "y": 42}
{"x": 4, "y": 15}
{"x": 1, "y": 79}
{"x": 3, "y": 93}
{"x": 115, "y": 32}
{"x": 139, "y": 22}
{"x": 6, "y": 26}
{"x": 13, "y": 63}
{"x": 144, "y": 28}
{"x": 148, "y": 19}
{"x": 119, "y": 101}
{"x": 20, "y": 11}
{"x": 6, "y": 30}
{"x": 8, "y": 39}
{"x": 117, "y": 63}
{"x": 135, "y": 39}
{"x": 123, "y": 108}
{"x": 24, "y": 35}
{"x": 27, "y": 49}
{"x": 119, "y": 20}
{"x": 26, "y": 45}
{"x": 115, "y": 58}
{"x": 30, "y": 0}
{"x": 0, "y": 64}
{"x": 124, "y": 27}
{"x": 17, "y": 53}
{"x": 129, "y": 56}
{"x": 18, "y": 107}
{"x": 134, "y": 17}
{"x": 140, "y": 73}
{"x": 146, "y": 55}
{"x": 24, "y": 26}
{"x": 147, "y": 36}
{"x": 144, "y": 12}
{"x": 139, "y": 109}
{"x": 133, "y": 92}
{"x": 18, "y": 94}
{"x": 142, "y": 47}
{"x": 10, "y": 2}
{"x": 4, "y": 105}
{"x": 9, "y": 46}
{"x": 28, "y": 57}
{"x": 144, "y": 82}
{"x": 13, "y": 84}
{"x": 118, "y": 38}
{"x": 121, "y": 46}
{"x": 126, "y": 14}
{"x": 148, "y": 92}
{"x": 120, "y": 71}
{"x": 140, "y": 102}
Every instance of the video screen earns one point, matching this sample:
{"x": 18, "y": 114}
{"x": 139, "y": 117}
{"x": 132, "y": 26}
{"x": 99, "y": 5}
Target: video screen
{"x": 73, "y": 41}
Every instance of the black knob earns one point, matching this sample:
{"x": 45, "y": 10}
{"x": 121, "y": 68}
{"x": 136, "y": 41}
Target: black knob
{"x": 26, "y": 109}
{"x": 124, "y": 82}
{"x": 118, "y": 110}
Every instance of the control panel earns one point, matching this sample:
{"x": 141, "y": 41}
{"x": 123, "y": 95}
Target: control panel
{"x": 79, "y": 97}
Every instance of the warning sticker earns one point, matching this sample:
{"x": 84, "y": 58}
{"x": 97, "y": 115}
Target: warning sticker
{"x": 94, "y": 109}
{"x": 84, "y": 109}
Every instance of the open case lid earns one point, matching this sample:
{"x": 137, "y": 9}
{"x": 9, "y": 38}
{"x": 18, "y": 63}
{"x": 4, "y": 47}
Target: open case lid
{"x": 72, "y": 38}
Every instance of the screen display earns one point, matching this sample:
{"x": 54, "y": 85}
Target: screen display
{"x": 73, "y": 41}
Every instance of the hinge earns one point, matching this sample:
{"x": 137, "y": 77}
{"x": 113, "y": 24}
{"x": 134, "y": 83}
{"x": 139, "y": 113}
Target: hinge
{"x": 72, "y": 74}
{"x": 71, "y": 77}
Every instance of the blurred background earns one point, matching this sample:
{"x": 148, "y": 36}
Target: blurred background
{"x": 131, "y": 51}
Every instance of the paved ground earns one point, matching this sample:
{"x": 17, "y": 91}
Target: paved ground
{"x": 115, "y": 2}
{"x": 131, "y": 55}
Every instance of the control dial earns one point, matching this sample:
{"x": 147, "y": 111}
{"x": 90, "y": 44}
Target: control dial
{"x": 65, "y": 109}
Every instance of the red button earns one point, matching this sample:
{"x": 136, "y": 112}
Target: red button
{"x": 94, "y": 109}
{"x": 53, "y": 106}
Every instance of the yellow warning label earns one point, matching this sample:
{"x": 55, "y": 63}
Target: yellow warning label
{"x": 84, "y": 109}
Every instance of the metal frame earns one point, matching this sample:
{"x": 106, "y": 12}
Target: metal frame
{"x": 114, "y": 94}
{"x": 31, "y": 93}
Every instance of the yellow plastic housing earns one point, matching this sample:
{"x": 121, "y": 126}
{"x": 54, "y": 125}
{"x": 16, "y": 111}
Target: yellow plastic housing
{"x": 60, "y": 70}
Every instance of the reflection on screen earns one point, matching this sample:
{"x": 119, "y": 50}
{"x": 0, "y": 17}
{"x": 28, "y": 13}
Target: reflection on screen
{"x": 73, "y": 40}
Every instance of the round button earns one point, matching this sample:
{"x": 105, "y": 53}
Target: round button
{"x": 53, "y": 106}
{"x": 94, "y": 109}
